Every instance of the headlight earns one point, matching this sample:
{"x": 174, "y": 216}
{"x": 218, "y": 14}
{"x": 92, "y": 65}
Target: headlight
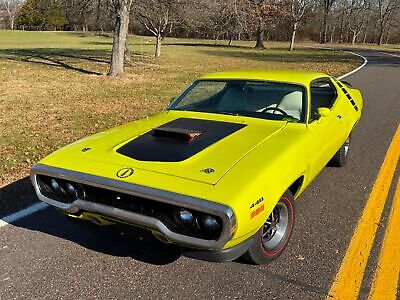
{"x": 186, "y": 218}
{"x": 209, "y": 223}
{"x": 71, "y": 191}
{"x": 55, "y": 186}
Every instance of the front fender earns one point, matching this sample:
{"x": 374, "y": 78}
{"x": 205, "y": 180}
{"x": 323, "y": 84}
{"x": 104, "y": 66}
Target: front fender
{"x": 256, "y": 184}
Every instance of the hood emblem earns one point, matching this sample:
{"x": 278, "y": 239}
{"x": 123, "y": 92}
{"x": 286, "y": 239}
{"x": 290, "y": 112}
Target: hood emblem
{"x": 125, "y": 173}
{"x": 208, "y": 170}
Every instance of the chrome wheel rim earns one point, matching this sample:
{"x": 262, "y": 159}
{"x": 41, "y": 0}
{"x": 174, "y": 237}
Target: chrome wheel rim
{"x": 346, "y": 146}
{"x": 275, "y": 227}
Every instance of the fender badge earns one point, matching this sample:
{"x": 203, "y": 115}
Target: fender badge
{"x": 125, "y": 173}
{"x": 208, "y": 170}
{"x": 257, "y": 202}
{"x": 257, "y": 211}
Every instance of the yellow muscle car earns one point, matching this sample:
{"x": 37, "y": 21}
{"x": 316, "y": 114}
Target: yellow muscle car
{"x": 217, "y": 172}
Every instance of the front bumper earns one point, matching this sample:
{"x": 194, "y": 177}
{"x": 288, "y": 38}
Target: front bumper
{"x": 224, "y": 212}
{"x": 223, "y": 255}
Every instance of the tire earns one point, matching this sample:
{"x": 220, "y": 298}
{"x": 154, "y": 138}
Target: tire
{"x": 340, "y": 157}
{"x": 267, "y": 244}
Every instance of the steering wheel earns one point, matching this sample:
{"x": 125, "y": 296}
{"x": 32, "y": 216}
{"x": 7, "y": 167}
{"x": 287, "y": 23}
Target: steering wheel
{"x": 284, "y": 113}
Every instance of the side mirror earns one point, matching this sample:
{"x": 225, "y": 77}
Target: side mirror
{"x": 323, "y": 111}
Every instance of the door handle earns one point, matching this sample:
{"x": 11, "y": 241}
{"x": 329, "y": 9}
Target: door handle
{"x": 338, "y": 117}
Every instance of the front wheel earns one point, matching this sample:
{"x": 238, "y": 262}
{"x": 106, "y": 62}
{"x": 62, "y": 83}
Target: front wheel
{"x": 272, "y": 238}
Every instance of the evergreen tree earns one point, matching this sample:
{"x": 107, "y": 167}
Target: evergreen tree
{"x": 42, "y": 14}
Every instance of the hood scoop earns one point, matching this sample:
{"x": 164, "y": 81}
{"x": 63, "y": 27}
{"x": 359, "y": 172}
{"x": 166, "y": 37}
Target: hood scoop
{"x": 176, "y": 133}
{"x": 178, "y": 140}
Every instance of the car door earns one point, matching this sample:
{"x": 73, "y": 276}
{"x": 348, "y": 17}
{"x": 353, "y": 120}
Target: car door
{"x": 326, "y": 133}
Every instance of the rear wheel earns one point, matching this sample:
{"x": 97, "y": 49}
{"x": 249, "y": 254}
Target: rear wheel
{"x": 272, "y": 238}
{"x": 340, "y": 157}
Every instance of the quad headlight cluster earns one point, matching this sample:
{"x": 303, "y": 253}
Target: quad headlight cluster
{"x": 60, "y": 190}
{"x": 197, "y": 221}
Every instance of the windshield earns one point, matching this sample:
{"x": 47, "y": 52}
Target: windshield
{"x": 259, "y": 99}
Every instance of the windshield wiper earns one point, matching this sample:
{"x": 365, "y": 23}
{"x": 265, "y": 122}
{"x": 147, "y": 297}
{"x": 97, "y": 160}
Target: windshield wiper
{"x": 228, "y": 113}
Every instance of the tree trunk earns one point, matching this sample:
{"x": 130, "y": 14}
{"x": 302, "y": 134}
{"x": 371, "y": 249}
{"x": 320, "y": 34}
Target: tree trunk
{"x": 320, "y": 33}
{"x": 325, "y": 27}
{"x": 158, "y": 45}
{"x": 120, "y": 32}
{"x": 12, "y": 23}
{"x": 98, "y": 14}
{"x": 353, "y": 40}
{"x": 332, "y": 34}
{"x": 293, "y": 36}
{"x": 380, "y": 39}
{"x": 341, "y": 29}
{"x": 365, "y": 35}
{"x": 260, "y": 39}
{"x": 387, "y": 35}
{"x": 127, "y": 52}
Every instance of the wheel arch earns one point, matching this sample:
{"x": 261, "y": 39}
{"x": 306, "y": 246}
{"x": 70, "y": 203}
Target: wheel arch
{"x": 296, "y": 186}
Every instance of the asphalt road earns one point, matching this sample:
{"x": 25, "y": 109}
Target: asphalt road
{"x": 46, "y": 256}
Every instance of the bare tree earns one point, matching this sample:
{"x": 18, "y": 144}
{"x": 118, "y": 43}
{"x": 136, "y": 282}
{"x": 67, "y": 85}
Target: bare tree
{"x": 297, "y": 10}
{"x": 334, "y": 20}
{"x": 122, "y": 10}
{"x": 88, "y": 15}
{"x": 341, "y": 17}
{"x": 229, "y": 19}
{"x": 12, "y": 7}
{"x": 386, "y": 10}
{"x": 326, "y": 8}
{"x": 358, "y": 10}
{"x": 158, "y": 16}
{"x": 260, "y": 17}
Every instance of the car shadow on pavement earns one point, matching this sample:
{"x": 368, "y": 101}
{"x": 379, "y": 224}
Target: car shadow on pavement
{"x": 120, "y": 240}
{"x": 116, "y": 240}
{"x": 16, "y": 196}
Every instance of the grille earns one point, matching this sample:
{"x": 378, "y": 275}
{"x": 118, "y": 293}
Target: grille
{"x": 164, "y": 212}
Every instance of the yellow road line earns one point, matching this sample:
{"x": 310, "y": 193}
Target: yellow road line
{"x": 386, "y": 275}
{"x": 349, "y": 277}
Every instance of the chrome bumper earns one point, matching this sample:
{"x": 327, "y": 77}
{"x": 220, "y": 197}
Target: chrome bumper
{"x": 224, "y": 212}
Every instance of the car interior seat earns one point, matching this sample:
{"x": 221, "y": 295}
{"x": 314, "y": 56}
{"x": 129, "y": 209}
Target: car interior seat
{"x": 233, "y": 100}
{"x": 292, "y": 103}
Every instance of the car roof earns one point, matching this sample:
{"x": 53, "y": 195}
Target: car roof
{"x": 291, "y": 76}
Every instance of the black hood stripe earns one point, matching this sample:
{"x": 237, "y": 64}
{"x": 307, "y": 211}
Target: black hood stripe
{"x": 178, "y": 140}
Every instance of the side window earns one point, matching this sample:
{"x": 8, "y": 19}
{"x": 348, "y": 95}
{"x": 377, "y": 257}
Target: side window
{"x": 323, "y": 94}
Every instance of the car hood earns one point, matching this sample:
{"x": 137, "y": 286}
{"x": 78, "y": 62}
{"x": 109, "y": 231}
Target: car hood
{"x": 195, "y": 146}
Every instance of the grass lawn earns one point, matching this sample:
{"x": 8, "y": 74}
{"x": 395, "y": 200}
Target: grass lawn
{"x": 53, "y": 88}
